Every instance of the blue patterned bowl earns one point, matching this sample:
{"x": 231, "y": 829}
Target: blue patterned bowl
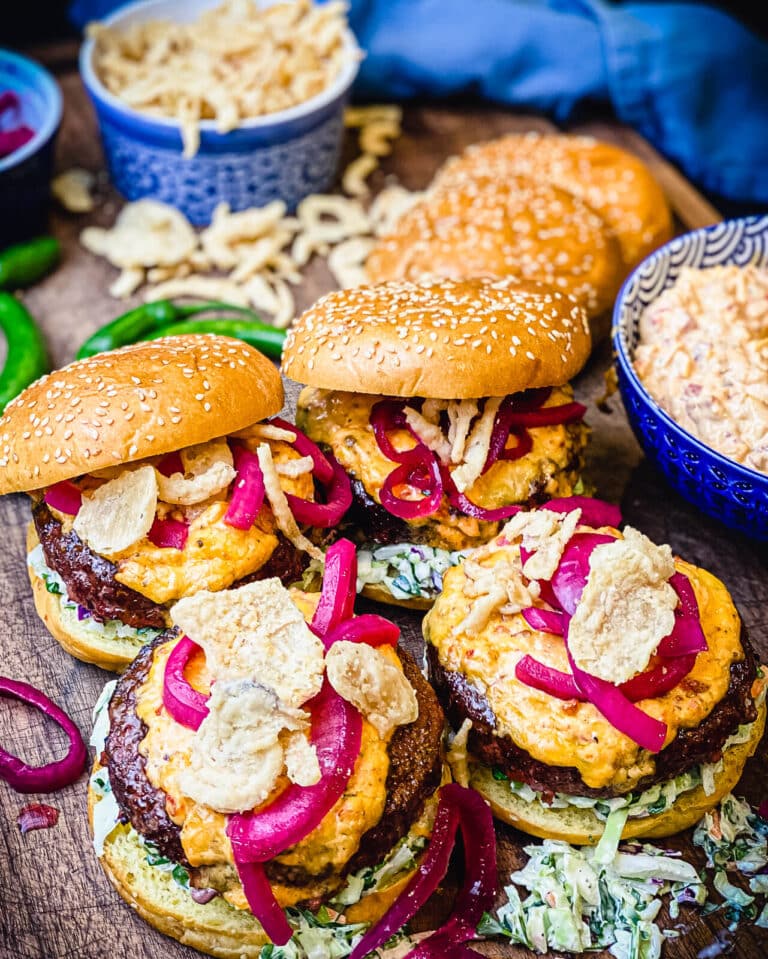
{"x": 281, "y": 156}
{"x": 731, "y": 493}
{"x": 25, "y": 174}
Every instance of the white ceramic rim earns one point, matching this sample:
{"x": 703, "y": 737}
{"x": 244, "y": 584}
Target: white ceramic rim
{"x": 52, "y": 118}
{"x": 91, "y": 80}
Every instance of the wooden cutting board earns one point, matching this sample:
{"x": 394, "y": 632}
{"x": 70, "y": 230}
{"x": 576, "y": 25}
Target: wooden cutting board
{"x": 55, "y": 901}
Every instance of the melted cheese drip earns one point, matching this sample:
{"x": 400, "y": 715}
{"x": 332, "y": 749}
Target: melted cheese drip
{"x": 342, "y": 421}
{"x": 166, "y": 749}
{"x": 215, "y": 554}
{"x": 568, "y": 733}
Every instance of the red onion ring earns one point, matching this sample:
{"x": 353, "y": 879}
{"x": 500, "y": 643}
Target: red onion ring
{"x": 460, "y": 502}
{"x": 687, "y": 636}
{"x": 502, "y": 425}
{"x": 322, "y": 468}
{"x": 64, "y": 497}
{"x": 459, "y": 807}
{"x": 168, "y": 533}
{"x": 261, "y": 900}
{"x": 51, "y": 776}
{"x": 648, "y": 732}
{"x": 548, "y": 416}
{"x": 571, "y": 575}
{"x": 658, "y": 680}
{"x": 544, "y": 620}
{"x": 298, "y": 810}
{"x": 387, "y": 415}
{"x": 338, "y": 496}
{"x": 548, "y": 679}
{"x": 369, "y": 628}
{"x": 337, "y": 595}
{"x": 423, "y": 474}
{"x": 594, "y": 512}
{"x": 187, "y": 705}
{"x": 248, "y": 490}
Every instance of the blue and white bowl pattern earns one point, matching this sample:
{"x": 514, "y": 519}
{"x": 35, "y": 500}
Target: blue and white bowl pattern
{"x": 719, "y": 487}
{"x": 281, "y": 156}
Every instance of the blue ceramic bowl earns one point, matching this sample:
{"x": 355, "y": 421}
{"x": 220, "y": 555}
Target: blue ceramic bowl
{"x": 281, "y": 156}
{"x": 731, "y": 493}
{"x": 25, "y": 174}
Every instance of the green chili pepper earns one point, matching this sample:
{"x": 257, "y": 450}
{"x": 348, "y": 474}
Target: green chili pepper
{"x": 26, "y": 263}
{"x": 27, "y": 357}
{"x": 266, "y": 338}
{"x": 143, "y": 321}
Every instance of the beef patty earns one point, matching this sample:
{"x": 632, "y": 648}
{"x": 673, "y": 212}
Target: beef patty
{"x": 90, "y": 579}
{"x": 414, "y": 772}
{"x": 461, "y": 700}
{"x": 376, "y": 525}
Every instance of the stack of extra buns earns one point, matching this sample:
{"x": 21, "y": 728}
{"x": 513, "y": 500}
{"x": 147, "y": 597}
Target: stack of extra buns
{"x": 569, "y": 211}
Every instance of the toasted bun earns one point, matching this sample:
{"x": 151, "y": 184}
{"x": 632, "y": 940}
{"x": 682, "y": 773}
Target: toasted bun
{"x": 513, "y": 226}
{"x": 582, "y": 827}
{"x": 77, "y": 639}
{"x": 447, "y": 339}
{"x": 615, "y": 183}
{"x": 215, "y": 928}
{"x": 142, "y": 400}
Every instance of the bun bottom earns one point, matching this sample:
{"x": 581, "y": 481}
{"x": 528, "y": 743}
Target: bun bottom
{"x": 82, "y": 643}
{"x": 381, "y": 594}
{"x": 581, "y": 827}
{"x": 216, "y": 927}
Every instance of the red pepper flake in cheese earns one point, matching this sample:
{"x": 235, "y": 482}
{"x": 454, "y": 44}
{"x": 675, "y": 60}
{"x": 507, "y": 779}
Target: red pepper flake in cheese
{"x": 626, "y": 609}
{"x": 365, "y": 677}
{"x": 255, "y": 632}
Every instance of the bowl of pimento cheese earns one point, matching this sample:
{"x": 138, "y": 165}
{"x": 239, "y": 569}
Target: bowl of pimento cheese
{"x": 690, "y": 334}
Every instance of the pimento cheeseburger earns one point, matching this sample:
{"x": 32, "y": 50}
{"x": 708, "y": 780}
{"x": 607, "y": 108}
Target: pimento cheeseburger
{"x": 152, "y": 476}
{"x": 597, "y": 683}
{"x": 258, "y": 777}
{"x": 449, "y": 406}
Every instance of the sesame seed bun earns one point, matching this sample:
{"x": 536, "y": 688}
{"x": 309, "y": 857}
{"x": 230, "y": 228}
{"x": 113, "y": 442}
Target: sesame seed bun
{"x": 445, "y": 339}
{"x": 583, "y": 828}
{"x": 142, "y": 400}
{"x": 515, "y": 226}
{"x": 215, "y": 928}
{"x": 615, "y": 183}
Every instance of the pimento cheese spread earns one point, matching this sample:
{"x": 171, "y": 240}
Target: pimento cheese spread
{"x": 703, "y": 356}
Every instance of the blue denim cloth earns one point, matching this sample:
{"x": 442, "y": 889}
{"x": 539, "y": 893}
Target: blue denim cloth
{"x": 690, "y": 78}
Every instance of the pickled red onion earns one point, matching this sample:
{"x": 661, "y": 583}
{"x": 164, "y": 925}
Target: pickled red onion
{"x": 548, "y": 415}
{"x": 571, "y": 575}
{"x": 460, "y": 502}
{"x": 185, "y": 704}
{"x": 687, "y": 636}
{"x": 368, "y": 628}
{"x": 168, "y": 533}
{"x": 544, "y": 620}
{"x": 261, "y": 900}
{"x": 336, "y": 736}
{"x": 549, "y": 680}
{"x": 247, "y": 491}
{"x": 337, "y": 596}
{"x": 659, "y": 679}
{"x": 338, "y": 496}
{"x": 423, "y": 474}
{"x": 389, "y": 415}
{"x": 594, "y": 512}
{"x": 322, "y": 468}
{"x": 51, "y": 776}
{"x": 502, "y": 425}
{"x": 645, "y": 730}
{"x": 458, "y": 807}
{"x": 64, "y": 497}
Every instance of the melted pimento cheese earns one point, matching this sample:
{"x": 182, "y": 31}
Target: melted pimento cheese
{"x": 703, "y": 356}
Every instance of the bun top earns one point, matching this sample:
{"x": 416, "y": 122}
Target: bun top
{"x": 512, "y": 226}
{"x": 615, "y": 183}
{"x": 446, "y": 339}
{"x": 139, "y": 401}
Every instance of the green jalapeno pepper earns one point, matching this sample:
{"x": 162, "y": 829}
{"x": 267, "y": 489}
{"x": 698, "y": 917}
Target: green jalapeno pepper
{"x": 268, "y": 339}
{"x": 27, "y": 356}
{"x": 26, "y": 263}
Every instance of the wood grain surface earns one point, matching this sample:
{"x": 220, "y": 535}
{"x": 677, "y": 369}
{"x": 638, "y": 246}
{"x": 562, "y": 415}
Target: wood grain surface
{"x": 55, "y": 902}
